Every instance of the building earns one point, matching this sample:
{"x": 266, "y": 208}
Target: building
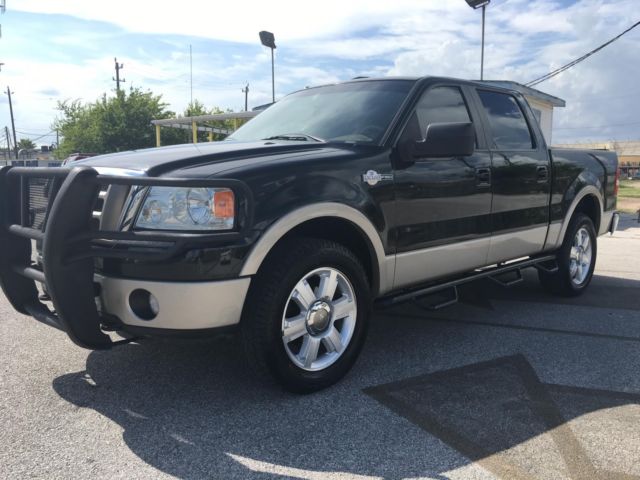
{"x": 37, "y": 157}
{"x": 541, "y": 103}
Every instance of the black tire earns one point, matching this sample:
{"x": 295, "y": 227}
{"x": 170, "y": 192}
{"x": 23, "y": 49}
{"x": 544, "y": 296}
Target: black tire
{"x": 561, "y": 282}
{"x": 269, "y": 294}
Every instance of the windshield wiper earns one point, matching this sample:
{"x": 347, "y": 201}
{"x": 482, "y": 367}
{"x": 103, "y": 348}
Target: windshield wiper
{"x": 296, "y": 137}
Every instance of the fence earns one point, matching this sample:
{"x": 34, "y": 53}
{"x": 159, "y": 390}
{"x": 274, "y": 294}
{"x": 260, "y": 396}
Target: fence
{"x": 30, "y": 163}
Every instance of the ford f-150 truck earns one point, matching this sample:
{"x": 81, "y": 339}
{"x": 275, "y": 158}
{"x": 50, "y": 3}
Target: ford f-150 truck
{"x": 330, "y": 201}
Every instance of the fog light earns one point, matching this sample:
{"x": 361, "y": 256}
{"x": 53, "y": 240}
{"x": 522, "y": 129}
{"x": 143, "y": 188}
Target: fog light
{"x": 144, "y": 304}
{"x": 153, "y": 303}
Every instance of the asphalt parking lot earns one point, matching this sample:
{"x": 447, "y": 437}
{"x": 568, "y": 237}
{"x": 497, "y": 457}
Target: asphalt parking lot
{"x": 510, "y": 383}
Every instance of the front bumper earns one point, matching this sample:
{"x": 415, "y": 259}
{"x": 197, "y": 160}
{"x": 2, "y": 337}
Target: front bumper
{"x": 71, "y": 242}
{"x": 181, "y": 306}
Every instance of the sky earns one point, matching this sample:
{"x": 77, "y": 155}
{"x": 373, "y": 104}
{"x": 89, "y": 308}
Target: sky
{"x": 64, "y": 50}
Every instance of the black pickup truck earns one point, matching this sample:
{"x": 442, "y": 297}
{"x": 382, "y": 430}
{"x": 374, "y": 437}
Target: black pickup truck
{"x": 331, "y": 201}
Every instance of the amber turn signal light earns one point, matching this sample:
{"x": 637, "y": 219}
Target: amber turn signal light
{"x": 224, "y": 204}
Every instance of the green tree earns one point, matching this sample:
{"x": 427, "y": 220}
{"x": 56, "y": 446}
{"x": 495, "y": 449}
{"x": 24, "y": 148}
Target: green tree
{"x": 26, "y": 144}
{"x": 110, "y": 124}
{"x": 196, "y": 109}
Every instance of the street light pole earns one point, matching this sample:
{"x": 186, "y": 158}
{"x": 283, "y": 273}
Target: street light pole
{"x": 269, "y": 40}
{"x": 484, "y": 9}
{"x": 273, "y": 78}
{"x": 475, "y": 4}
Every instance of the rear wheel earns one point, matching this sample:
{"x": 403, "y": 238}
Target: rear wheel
{"x": 576, "y": 259}
{"x": 306, "y": 315}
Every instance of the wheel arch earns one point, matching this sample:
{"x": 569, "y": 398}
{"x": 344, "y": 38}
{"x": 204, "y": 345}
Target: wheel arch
{"x": 332, "y": 221}
{"x": 589, "y": 201}
{"x": 591, "y": 207}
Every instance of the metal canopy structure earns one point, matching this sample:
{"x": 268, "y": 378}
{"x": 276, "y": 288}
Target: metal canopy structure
{"x": 195, "y": 124}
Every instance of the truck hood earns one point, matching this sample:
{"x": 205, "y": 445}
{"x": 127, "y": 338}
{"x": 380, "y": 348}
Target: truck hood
{"x": 215, "y": 157}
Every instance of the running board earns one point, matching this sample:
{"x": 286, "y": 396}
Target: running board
{"x": 500, "y": 280}
{"x": 491, "y": 272}
{"x": 447, "y": 302}
{"x": 548, "y": 267}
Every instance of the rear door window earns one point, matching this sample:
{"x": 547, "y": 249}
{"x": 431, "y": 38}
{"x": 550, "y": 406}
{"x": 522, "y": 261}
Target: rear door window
{"x": 509, "y": 127}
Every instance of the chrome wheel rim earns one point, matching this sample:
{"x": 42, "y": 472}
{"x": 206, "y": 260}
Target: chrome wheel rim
{"x": 580, "y": 257}
{"x": 319, "y": 319}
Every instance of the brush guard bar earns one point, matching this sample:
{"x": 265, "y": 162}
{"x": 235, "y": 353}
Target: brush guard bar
{"x": 71, "y": 241}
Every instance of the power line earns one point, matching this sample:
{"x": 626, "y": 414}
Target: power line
{"x": 573, "y": 63}
{"x": 34, "y": 133}
{"x": 50, "y": 134}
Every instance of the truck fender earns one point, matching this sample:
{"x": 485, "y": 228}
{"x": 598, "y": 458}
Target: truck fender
{"x": 385, "y": 264}
{"x": 579, "y": 189}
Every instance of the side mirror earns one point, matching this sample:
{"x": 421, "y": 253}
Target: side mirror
{"x": 446, "y": 140}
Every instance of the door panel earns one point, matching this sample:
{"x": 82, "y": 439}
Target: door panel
{"x": 443, "y": 205}
{"x": 520, "y": 179}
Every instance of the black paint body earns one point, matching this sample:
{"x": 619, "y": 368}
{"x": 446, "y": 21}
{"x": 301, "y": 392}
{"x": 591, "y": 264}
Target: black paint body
{"x": 430, "y": 201}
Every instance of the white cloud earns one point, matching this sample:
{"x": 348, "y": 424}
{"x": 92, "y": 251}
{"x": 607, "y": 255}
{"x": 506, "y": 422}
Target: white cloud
{"x": 290, "y": 19}
{"x": 336, "y": 40}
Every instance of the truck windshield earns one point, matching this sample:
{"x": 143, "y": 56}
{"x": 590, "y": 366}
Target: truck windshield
{"x": 357, "y": 112}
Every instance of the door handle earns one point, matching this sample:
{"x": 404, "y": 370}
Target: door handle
{"x": 543, "y": 174}
{"x": 484, "y": 176}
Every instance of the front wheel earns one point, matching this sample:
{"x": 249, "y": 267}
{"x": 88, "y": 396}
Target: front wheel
{"x": 306, "y": 315}
{"x": 576, "y": 259}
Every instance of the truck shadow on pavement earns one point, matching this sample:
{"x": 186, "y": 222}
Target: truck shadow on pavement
{"x": 194, "y": 410}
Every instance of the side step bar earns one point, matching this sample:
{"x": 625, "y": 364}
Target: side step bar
{"x": 546, "y": 263}
{"x": 447, "y": 301}
{"x": 503, "y": 282}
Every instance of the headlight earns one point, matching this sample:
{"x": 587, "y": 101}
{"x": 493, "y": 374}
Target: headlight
{"x": 173, "y": 208}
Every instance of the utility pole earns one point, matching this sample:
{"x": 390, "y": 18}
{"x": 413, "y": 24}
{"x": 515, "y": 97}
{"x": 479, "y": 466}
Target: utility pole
{"x": 57, "y": 138}
{"x": 6, "y": 135}
{"x": 191, "y": 75}
{"x": 245, "y": 90}
{"x": 13, "y": 124}
{"x": 117, "y": 79}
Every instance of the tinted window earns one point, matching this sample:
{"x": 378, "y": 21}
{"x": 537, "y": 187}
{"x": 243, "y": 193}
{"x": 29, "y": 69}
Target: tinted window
{"x": 441, "y": 105}
{"x": 357, "y": 112}
{"x": 508, "y": 124}
{"x": 437, "y": 105}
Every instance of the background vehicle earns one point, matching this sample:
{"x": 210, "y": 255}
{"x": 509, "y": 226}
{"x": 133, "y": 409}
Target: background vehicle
{"x": 332, "y": 197}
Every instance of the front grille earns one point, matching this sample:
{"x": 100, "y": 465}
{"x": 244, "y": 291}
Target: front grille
{"x": 39, "y": 194}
